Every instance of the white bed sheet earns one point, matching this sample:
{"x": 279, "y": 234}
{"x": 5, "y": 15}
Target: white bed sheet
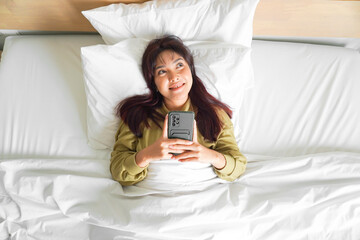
{"x": 54, "y": 186}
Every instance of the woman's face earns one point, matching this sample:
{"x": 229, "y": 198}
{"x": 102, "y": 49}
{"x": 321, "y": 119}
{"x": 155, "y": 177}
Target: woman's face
{"x": 173, "y": 79}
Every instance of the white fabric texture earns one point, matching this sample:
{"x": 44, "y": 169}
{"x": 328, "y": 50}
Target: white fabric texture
{"x": 42, "y": 97}
{"x": 304, "y": 197}
{"x": 113, "y": 73}
{"x": 305, "y": 100}
{"x": 54, "y": 186}
{"x": 217, "y": 20}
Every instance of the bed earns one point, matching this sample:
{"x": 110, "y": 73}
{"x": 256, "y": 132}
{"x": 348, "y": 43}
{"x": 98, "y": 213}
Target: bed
{"x": 296, "y": 120}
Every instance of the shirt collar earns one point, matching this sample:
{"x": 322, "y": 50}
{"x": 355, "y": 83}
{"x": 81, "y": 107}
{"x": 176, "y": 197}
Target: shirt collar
{"x": 187, "y": 107}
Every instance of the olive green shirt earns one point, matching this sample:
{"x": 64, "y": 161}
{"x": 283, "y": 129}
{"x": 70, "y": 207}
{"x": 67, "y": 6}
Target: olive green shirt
{"x": 125, "y": 170}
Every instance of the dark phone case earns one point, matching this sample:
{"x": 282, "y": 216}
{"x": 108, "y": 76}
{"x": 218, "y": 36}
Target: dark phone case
{"x": 181, "y": 125}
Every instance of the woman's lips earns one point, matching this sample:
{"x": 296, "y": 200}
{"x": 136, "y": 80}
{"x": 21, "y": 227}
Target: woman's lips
{"x": 176, "y": 86}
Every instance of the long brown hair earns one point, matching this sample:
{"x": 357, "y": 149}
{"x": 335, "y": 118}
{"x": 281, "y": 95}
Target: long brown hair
{"x": 138, "y": 109}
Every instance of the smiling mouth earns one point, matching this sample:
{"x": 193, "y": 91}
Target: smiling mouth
{"x": 177, "y": 86}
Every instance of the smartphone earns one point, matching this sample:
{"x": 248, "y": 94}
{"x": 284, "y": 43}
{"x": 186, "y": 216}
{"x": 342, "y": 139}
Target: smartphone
{"x": 181, "y": 125}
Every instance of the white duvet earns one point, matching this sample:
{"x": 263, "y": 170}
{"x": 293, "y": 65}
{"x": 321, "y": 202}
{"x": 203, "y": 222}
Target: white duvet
{"x": 306, "y": 197}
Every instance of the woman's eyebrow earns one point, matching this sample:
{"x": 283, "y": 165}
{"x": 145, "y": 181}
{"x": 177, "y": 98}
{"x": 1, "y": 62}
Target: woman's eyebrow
{"x": 161, "y": 66}
{"x": 179, "y": 59}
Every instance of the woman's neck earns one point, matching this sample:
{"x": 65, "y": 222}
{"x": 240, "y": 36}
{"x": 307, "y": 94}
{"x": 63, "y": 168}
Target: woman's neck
{"x": 175, "y": 105}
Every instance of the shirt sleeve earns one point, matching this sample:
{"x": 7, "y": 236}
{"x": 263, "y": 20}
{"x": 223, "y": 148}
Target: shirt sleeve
{"x": 226, "y": 145}
{"x": 122, "y": 164}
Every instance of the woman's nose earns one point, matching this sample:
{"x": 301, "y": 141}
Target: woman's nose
{"x": 173, "y": 76}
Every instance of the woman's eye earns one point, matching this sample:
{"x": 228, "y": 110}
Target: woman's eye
{"x": 180, "y": 64}
{"x": 161, "y": 72}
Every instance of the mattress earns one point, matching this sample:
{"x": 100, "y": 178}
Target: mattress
{"x": 321, "y": 81}
{"x": 300, "y": 133}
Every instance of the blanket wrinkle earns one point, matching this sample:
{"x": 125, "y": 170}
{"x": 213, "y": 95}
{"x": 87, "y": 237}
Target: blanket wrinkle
{"x": 295, "y": 193}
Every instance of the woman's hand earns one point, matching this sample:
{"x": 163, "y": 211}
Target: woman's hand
{"x": 160, "y": 149}
{"x": 196, "y": 152}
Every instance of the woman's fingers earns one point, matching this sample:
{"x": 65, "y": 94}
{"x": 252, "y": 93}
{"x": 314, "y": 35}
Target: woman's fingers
{"x": 175, "y": 150}
{"x": 187, "y": 155}
{"x": 177, "y": 141}
{"x": 189, "y": 160}
{"x": 187, "y": 151}
{"x": 186, "y": 147}
{"x": 165, "y": 128}
{"x": 169, "y": 146}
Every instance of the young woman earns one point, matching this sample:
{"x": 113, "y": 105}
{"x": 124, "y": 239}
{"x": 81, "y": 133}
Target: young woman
{"x": 169, "y": 72}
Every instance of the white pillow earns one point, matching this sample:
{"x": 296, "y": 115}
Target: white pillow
{"x": 113, "y": 73}
{"x": 306, "y": 100}
{"x": 216, "y": 20}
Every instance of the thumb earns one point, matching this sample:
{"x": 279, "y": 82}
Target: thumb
{"x": 165, "y": 127}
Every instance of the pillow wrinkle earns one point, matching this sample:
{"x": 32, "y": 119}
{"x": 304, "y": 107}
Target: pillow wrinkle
{"x": 220, "y": 20}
